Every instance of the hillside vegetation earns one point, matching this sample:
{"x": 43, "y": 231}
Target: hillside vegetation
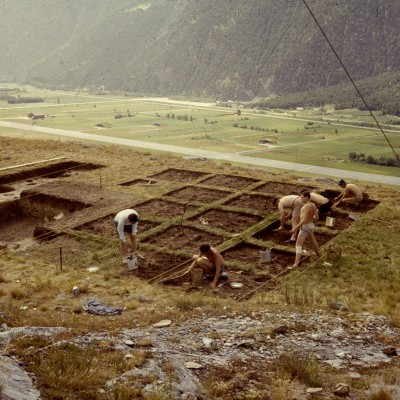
{"x": 222, "y": 49}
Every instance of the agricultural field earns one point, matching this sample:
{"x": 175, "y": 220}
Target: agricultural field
{"x": 302, "y": 136}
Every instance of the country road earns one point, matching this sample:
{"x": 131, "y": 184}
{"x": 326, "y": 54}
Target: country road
{"x": 213, "y": 155}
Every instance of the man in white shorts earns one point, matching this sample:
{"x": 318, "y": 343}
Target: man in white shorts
{"x": 308, "y": 214}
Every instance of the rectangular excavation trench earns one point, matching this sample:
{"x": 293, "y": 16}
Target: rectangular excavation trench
{"x": 19, "y": 218}
{"x": 229, "y": 221}
{"x": 229, "y": 181}
{"x": 184, "y": 238}
{"x": 179, "y": 175}
{"x": 281, "y": 188}
{"x": 163, "y": 208}
{"x": 258, "y": 202}
{"x": 58, "y": 170}
{"x": 198, "y": 194}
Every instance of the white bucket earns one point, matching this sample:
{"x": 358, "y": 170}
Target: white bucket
{"x": 265, "y": 256}
{"x": 330, "y": 221}
{"x": 132, "y": 262}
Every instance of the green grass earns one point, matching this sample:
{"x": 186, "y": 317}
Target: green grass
{"x": 317, "y": 143}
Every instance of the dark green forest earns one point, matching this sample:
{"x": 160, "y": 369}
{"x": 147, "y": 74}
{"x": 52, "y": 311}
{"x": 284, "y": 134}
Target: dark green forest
{"x": 225, "y": 49}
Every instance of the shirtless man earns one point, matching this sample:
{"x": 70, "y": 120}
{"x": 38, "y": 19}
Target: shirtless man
{"x": 293, "y": 203}
{"x": 324, "y": 205}
{"x": 211, "y": 262}
{"x": 308, "y": 214}
{"x": 351, "y": 194}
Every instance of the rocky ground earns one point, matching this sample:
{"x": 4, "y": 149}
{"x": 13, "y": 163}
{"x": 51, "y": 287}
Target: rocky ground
{"x": 198, "y": 349}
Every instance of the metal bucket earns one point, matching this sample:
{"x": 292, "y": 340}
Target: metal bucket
{"x": 197, "y": 275}
{"x": 330, "y": 221}
{"x": 132, "y": 262}
{"x": 265, "y": 256}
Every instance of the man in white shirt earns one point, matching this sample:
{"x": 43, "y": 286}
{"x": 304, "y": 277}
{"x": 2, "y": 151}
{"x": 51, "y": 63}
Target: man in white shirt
{"x": 126, "y": 222}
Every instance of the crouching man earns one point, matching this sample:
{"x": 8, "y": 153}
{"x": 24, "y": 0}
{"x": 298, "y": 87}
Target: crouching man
{"x": 211, "y": 262}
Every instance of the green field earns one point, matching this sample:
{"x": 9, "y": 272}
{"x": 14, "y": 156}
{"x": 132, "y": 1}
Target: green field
{"x": 306, "y": 136}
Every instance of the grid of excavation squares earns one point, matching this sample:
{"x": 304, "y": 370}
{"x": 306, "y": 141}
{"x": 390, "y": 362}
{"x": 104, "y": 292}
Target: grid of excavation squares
{"x": 198, "y": 194}
{"x": 229, "y": 181}
{"x": 178, "y": 175}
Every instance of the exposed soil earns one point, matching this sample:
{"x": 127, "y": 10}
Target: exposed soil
{"x": 61, "y": 169}
{"x": 229, "y": 221}
{"x": 249, "y": 254}
{"x": 279, "y": 188}
{"x": 184, "y": 238}
{"x": 163, "y": 208}
{"x": 253, "y": 202}
{"x": 105, "y": 226}
{"x": 229, "y": 181}
{"x": 279, "y": 237}
{"x": 194, "y": 193}
{"x": 178, "y": 175}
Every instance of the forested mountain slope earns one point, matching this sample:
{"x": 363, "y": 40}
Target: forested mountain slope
{"x": 236, "y": 49}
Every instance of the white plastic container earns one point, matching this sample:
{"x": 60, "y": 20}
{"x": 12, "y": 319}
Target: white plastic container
{"x": 265, "y": 256}
{"x": 132, "y": 262}
{"x": 330, "y": 221}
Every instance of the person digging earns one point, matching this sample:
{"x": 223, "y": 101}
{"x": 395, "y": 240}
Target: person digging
{"x": 210, "y": 261}
{"x": 126, "y": 222}
{"x": 351, "y": 194}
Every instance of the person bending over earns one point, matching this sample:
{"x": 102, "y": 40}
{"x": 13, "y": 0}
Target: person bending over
{"x": 126, "y": 222}
{"x": 293, "y": 203}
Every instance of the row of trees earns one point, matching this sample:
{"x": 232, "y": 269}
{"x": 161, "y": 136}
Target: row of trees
{"x": 18, "y": 100}
{"x": 361, "y": 157}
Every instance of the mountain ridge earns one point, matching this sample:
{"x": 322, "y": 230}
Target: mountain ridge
{"x": 232, "y": 49}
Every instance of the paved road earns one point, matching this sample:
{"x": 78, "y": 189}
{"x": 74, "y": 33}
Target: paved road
{"x": 214, "y": 155}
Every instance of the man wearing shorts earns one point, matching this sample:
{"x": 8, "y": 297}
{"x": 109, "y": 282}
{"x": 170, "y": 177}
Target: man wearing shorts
{"x": 294, "y": 203}
{"x": 308, "y": 214}
{"x": 211, "y": 262}
{"x": 126, "y": 222}
{"x": 351, "y": 194}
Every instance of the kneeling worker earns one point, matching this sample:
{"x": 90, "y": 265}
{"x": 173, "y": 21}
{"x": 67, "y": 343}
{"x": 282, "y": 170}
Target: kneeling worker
{"x": 126, "y": 221}
{"x": 211, "y": 262}
{"x": 351, "y": 194}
